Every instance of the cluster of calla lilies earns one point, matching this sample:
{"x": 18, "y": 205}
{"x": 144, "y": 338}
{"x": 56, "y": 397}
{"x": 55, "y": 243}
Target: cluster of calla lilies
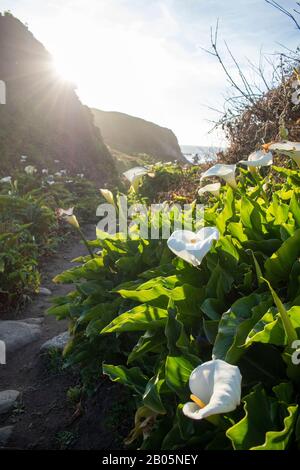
{"x": 216, "y": 385}
{"x": 258, "y": 159}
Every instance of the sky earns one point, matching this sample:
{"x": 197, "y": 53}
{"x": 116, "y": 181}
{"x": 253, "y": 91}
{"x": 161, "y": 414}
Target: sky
{"x": 146, "y": 57}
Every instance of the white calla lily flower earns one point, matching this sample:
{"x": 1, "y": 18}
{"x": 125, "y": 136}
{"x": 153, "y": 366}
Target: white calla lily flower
{"x": 213, "y": 188}
{"x": 215, "y": 389}
{"x": 135, "y": 172}
{"x": 291, "y": 149}
{"x": 192, "y": 247}
{"x": 258, "y": 159}
{"x": 30, "y": 169}
{"x": 6, "y": 179}
{"x": 134, "y": 175}
{"x": 226, "y": 172}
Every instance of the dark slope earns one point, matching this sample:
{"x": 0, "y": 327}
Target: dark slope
{"x": 43, "y": 117}
{"x": 133, "y": 135}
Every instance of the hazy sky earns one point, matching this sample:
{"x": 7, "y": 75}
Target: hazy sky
{"x": 144, "y": 57}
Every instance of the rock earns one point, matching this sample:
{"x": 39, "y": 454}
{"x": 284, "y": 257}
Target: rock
{"x": 17, "y": 334}
{"x": 58, "y": 342}
{"x": 44, "y": 291}
{"x": 33, "y": 321}
{"x": 5, "y": 434}
{"x": 8, "y": 399}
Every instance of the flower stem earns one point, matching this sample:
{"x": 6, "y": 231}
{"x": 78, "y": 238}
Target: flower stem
{"x": 85, "y": 242}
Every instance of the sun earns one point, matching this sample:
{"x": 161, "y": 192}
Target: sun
{"x": 66, "y": 68}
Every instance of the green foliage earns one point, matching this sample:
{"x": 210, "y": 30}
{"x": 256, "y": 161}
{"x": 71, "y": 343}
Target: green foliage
{"x": 152, "y": 318}
{"x": 29, "y": 227}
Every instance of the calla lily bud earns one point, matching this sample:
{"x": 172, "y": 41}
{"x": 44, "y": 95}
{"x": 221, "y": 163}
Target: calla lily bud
{"x": 108, "y": 196}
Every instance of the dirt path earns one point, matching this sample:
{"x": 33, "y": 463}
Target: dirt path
{"x": 43, "y": 418}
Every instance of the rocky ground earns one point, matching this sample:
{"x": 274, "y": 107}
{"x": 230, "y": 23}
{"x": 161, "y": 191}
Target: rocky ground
{"x": 35, "y": 412}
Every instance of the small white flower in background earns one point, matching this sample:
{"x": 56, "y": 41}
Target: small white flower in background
{"x": 44, "y": 171}
{"x": 291, "y": 149}
{"x": 6, "y": 179}
{"x": 258, "y": 159}
{"x": 63, "y": 172}
{"x": 23, "y": 158}
{"x": 135, "y": 175}
{"x": 192, "y": 247}
{"x": 215, "y": 389}
{"x": 80, "y": 175}
{"x": 296, "y": 97}
{"x": 226, "y": 172}
{"x": 58, "y": 174}
{"x": 30, "y": 170}
{"x": 108, "y": 195}
{"x": 213, "y": 188}
{"x": 296, "y": 83}
{"x": 56, "y": 161}
{"x": 296, "y": 94}
{"x": 68, "y": 216}
{"x": 65, "y": 212}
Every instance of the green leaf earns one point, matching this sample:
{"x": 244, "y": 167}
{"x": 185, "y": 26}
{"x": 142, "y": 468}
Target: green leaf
{"x": 227, "y": 212}
{"x": 279, "y": 265}
{"x": 288, "y": 326}
{"x": 177, "y": 339}
{"x": 270, "y": 330}
{"x": 178, "y": 370}
{"x": 133, "y": 378}
{"x": 236, "y": 324}
{"x": 142, "y": 317}
{"x": 151, "y": 341}
{"x": 295, "y": 209}
{"x": 151, "y": 397}
{"x": 262, "y": 427}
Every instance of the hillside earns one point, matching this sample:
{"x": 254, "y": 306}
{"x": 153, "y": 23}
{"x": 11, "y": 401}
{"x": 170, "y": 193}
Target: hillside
{"x": 133, "y": 135}
{"x": 43, "y": 117}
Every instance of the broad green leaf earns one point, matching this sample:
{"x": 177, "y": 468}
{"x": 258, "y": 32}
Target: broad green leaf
{"x": 132, "y": 378}
{"x": 236, "y": 324}
{"x": 142, "y": 317}
{"x": 270, "y": 330}
{"x": 151, "y": 341}
{"x": 151, "y": 397}
{"x": 262, "y": 427}
{"x": 279, "y": 265}
{"x": 177, "y": 372}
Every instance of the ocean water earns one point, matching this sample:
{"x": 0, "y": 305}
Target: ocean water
{"x": 205, "y": 154}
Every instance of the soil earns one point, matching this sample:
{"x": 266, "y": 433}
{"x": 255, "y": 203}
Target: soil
{"x": 44, "y": 418}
